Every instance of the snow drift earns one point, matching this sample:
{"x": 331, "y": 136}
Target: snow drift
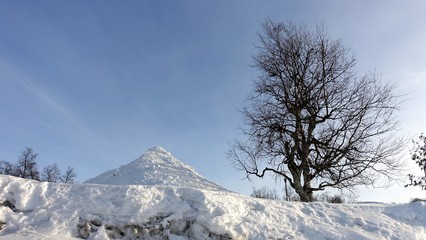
{"x": 37, "y": 210}
{"x": 159, "y": 197}
{"x": 155, "y": 167}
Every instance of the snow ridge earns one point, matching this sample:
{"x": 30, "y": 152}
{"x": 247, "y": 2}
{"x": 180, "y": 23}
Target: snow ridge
{"x": 34, "y": 210}
{"x": 156, "y": 166}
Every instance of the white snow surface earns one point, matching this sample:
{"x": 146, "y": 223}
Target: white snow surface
{"x": 39, "y": 210}
{"x": 155, "y": 167}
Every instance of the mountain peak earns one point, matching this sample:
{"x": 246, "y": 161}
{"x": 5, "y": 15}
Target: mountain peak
{"x": 156, "y": 166}
{"x": 157, "y": 149}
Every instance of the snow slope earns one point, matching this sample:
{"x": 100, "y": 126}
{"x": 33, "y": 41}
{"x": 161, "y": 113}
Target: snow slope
{"x": 155, "y": 167}
{"x": 36, "y": 210}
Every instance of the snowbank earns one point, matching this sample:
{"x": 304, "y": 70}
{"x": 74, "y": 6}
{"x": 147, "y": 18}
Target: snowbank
{"x": 34, "y": 210}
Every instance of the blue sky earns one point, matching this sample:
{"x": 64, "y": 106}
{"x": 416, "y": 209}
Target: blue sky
{"x": 93, "y": 84}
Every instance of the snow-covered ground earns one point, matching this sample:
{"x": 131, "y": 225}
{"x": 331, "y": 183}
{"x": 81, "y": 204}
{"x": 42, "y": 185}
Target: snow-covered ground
{"x": 170, "y": 200}
{"x": 36, "y": 210}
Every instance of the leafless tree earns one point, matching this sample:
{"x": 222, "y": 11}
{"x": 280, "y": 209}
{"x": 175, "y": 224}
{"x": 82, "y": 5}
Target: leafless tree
{"x": 69, "y": 175}
{"x": 418, "y": 154}
{"x": 27, "y": 165}
{"x": 311, "y": 120}
{"x": 330, "y": 198}
{"x": 264, "y": 192}
{"x": 51, "y": 173}
{"x": 7, "y": 168}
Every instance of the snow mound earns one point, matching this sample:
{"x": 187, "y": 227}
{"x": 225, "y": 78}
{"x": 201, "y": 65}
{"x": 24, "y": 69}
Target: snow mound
{"x": 35, "y": 210}
{"x": 155, "y": 167}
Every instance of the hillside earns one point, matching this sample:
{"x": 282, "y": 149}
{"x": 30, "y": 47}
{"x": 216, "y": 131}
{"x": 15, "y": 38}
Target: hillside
{"x": 156, "y": 167}
{"x": 35, "y": 210}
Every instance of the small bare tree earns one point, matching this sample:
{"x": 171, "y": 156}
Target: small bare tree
{"x": 265, "y": 193}
{"x": 311, "y": 120}
{"x": 69, "y": 175}
{"x": 418, "y": 154}
{"x": 7, "y": 168}
{"x": 51, "y": 173}
{"x": 27, "y": 165}
{"x": 329, "y": 198}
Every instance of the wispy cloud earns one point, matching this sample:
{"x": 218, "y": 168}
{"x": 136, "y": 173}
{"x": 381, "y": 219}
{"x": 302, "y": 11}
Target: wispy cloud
{"x": 94, "y": 144}
{"x": 11, "y": 73}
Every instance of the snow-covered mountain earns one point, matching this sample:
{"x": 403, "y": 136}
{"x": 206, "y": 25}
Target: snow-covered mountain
{"x": 52, "y": 211}
{"x": 156, "y": 167}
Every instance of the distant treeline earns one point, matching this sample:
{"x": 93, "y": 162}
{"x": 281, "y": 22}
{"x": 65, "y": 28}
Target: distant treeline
{"x": 26, "y": 167}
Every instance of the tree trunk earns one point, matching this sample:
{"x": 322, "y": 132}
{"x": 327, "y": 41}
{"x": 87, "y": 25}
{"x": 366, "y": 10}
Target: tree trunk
{"x": 304, "y": 196}
{"x": 304, "y": 191}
